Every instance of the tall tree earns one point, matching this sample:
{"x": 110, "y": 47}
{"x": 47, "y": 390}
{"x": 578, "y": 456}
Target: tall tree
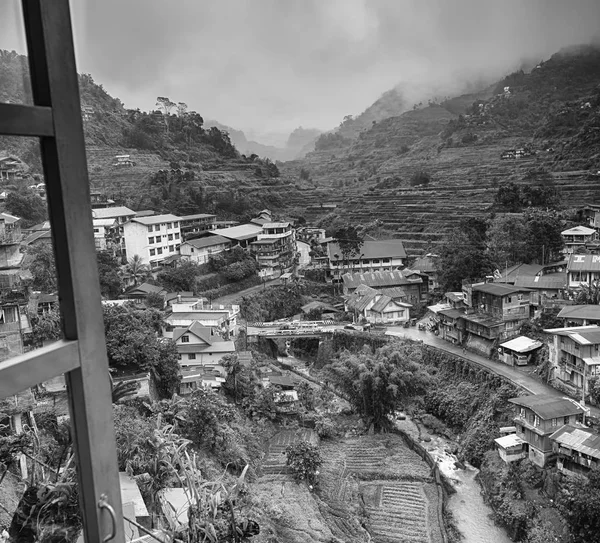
{"x": 543, "y": 241}
{"x": 349, "y": 241}
{"x": 27, "y": 205}
{"x": 377, "y": 383}
{"x": 111, "y": 283}
{"x": 506, "y": 240}
{"x": 42, "y": 268}
{"x": 463, "y": 255}
{"x": 166, "y": 106}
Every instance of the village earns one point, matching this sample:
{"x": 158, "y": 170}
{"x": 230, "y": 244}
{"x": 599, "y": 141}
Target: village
{"x": 375, "y": 288}
{"x": 317, "y": 275}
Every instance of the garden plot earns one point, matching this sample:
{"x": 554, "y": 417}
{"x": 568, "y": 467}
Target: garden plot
{"x": 385, "y": 486}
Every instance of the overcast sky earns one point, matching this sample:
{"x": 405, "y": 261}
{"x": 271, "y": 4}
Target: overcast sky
{"x": 272, "y": 65}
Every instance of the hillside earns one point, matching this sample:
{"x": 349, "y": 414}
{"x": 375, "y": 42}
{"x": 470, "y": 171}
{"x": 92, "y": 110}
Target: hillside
{"x": 177, "y": 163}
{"x": 554, "y": 109}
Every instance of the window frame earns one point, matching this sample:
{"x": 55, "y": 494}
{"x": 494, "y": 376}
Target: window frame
{"x": 55, "y": 118}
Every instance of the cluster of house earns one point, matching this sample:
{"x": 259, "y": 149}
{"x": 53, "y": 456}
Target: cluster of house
{"x": 166, "y": 239}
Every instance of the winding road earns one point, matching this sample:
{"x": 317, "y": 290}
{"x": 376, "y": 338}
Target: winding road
{"x": 517, "y": 375}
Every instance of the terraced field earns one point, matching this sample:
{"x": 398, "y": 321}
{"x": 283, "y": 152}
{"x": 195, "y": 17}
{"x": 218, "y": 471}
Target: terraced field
{"x": 381, "y": 480}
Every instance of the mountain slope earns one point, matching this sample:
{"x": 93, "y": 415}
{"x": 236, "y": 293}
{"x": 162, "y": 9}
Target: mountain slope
{"x": 554, "y": 109}
{"x": 176, "y": 164}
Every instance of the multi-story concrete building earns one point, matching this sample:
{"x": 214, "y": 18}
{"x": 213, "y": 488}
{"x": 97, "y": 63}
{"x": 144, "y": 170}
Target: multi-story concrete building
{"x": 538, "y": 417}
{"x": 153, "y": 238}
{"x": 194, "y": 226}
{"x": 386, "y": 255}
{"x": 574, "y": 354}
{"x": 275, "y": 247}
{"x": 494, "y": 312}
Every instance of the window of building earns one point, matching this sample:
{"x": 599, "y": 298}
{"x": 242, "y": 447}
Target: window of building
{"x": 192, "y": 356}
{"x": 185, "y": 339}
{"x": 169, "y": 225}
{"x": 179, "y": 356}
{"x": 375, "y": 261}
{"x": 170, "y": 237}
{"x": 150, "y": 240}
{"x": 554, "y": 422}
{"x": 566, "y": 420}
{"x": 150, "y": 229}
{"x": 159, "y": 251}
{"x": 152, "y": 252}
{"x": 171, "y": 248}
{"x": 96, "y": 230}
{"x": 157, "y": 227}
{"x": 192, "y": 249}
{"x": 176, "y": 235}
{"x": 522, "y": 413}
{"x": 175, "y": 225}
{"x": 508, "y": 299}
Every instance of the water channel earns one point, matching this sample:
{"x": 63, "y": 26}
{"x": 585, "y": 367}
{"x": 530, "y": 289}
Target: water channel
{"x": 474, "y": 519}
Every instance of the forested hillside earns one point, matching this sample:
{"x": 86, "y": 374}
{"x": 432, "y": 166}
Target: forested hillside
{"x": 175, "y": 163}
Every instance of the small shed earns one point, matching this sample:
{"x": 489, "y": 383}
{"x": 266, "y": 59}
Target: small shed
{"x": 518, "y": 351}
{"x": 511, "y": 448}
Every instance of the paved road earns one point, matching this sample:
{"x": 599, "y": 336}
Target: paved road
{"x": 515, "y": 374}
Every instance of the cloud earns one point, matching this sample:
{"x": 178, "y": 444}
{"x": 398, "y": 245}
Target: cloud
{"x": 271, "y": 65}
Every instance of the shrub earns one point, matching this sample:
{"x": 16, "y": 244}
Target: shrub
{"x": 304, "y": 460}
{"x": 420, "y": 178}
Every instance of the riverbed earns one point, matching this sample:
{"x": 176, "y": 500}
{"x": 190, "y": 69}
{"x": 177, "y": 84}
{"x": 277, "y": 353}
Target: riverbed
{"x": 473, "y": 518}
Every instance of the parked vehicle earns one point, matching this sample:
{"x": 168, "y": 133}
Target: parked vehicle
{"x": 413, "y": 322}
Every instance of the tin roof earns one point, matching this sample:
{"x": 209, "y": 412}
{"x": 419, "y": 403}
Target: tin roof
{"x": 551, "y": 281}
{"x": 584, "y": 263}
{"x": 580, "y": 312}
{"x": 197, "y": 216}
{"x": 579, "y": 439}
{"x": 522, "y": 344}
{"x": 510, "y": 440}
{"x": 155, "y": 219}
{"x": 241, "y": 232}
{"x": 498, "y": 289}
{"x": 378, "y": 279}
{"x": 578, "y": 231}
{"x": 110, "y": 212}
{"x": 211, "y": 241}
{"x": 549, "y": 407}
{"x": 372, "y": 249}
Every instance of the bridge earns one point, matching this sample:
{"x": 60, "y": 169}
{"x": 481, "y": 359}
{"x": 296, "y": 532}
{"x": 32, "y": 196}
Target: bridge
{"x": 296, "y": 329}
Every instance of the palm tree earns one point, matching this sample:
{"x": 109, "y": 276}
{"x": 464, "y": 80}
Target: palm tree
{"x": 136, "y": 271}
{"x": 589, "y": 294}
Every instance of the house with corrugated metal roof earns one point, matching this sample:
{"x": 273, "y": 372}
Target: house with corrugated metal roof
{"x": 537, "y": 417}
{"x": 580, "y": 315}
{"x": 574, "y": 355}
{"x": 577, "y": 449}
{"x": 583, "y": 269}
{"x": 380, "y": 280}
{"x": 376, "y": 307}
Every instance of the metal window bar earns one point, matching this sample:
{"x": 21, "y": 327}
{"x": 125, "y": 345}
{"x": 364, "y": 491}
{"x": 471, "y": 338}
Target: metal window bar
{"x": 56, "y": 120}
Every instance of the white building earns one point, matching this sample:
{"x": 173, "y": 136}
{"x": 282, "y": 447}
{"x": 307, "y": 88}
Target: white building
{"x": 201, "y": 249}
{"x": 152, "y": 238}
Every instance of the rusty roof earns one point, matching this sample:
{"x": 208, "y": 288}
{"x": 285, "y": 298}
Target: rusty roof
{"x": 579, "y": 439}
